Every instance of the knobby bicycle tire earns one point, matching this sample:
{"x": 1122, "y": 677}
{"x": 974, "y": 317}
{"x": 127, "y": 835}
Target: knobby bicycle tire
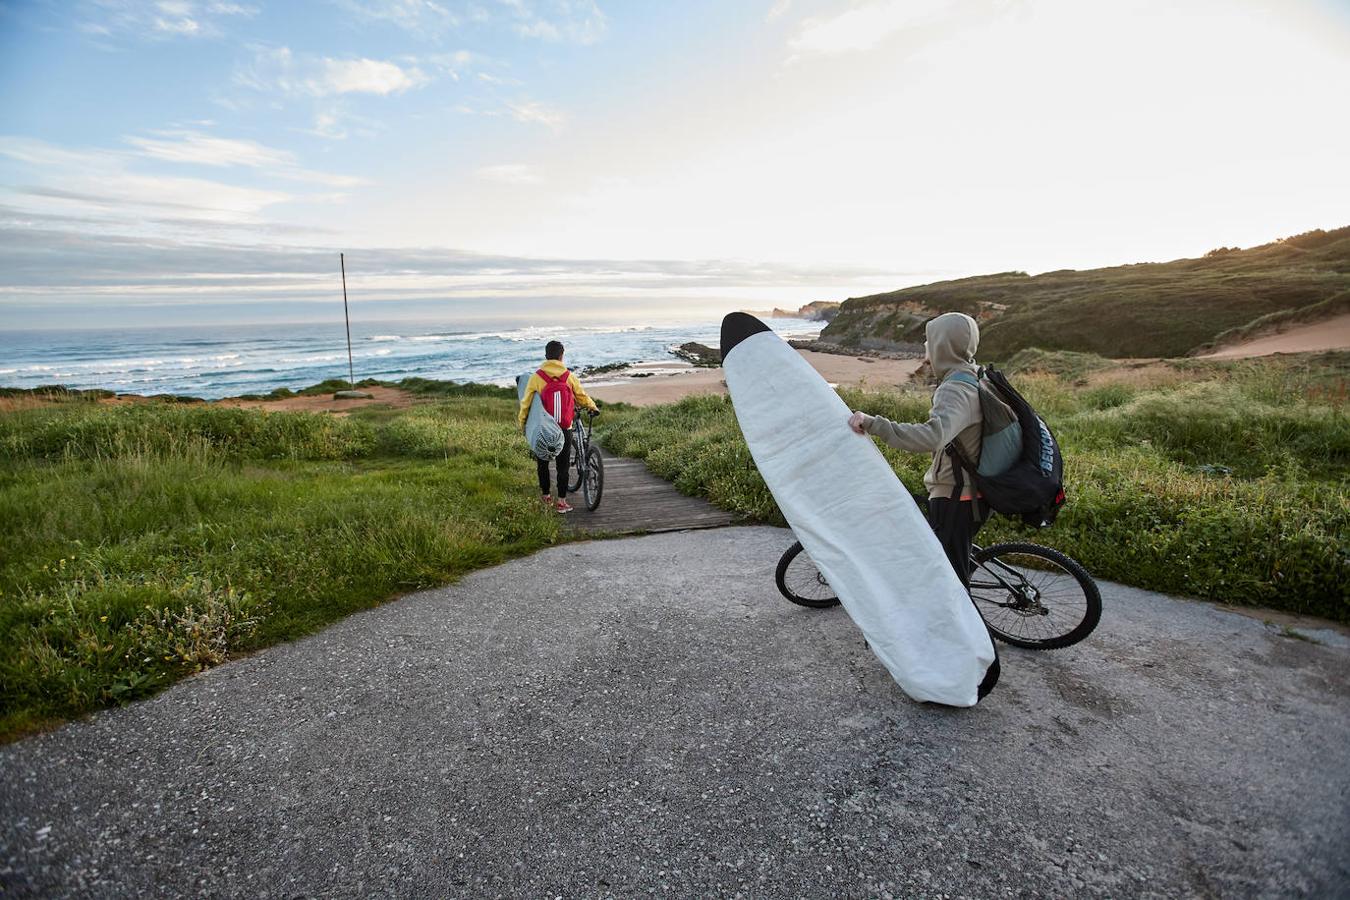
{"x": 1065, "y": 605}
{"x": 574, "y": 465}
{"x": 802, "y": 583}
{"x": 593, "y": 483}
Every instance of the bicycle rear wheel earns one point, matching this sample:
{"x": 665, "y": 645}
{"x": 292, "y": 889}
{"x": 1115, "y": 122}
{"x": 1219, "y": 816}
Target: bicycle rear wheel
{"x": 574, "y": 466}
{"x": 800, "y": 581}
{"x": 593, "y": 481}
{"x": 1034, "y": 597}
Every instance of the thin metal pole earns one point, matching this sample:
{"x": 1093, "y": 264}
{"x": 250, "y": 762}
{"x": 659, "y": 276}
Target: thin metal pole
{"x": 351, "y": 376}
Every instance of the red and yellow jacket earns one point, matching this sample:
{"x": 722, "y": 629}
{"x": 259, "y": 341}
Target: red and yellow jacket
{"x": 554, "y": 368}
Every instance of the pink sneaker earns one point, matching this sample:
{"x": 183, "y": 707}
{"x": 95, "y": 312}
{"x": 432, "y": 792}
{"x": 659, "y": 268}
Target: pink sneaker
{"x": 548, "y": 499}
{"x": 563, "y": 506}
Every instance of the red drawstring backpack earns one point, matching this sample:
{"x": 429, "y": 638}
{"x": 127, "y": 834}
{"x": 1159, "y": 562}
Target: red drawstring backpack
{"x": 558, "y": 399}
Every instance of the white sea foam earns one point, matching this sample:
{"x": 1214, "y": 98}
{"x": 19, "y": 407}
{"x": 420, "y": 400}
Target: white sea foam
{"x": 228, "y": 362}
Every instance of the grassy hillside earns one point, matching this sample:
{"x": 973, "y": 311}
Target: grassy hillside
{"x": 1146, "y": 310}
{"x": 1223, "y": 480}
{"x": 143, "y": 543}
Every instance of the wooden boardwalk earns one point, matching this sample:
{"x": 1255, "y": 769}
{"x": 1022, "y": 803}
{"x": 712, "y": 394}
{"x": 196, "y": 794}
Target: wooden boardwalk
{"x": 637, "y": 502}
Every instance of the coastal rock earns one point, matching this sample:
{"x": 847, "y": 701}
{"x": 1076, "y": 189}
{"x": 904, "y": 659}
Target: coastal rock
{"x": 700, "y": 355}
{"x": 886, "y": 351}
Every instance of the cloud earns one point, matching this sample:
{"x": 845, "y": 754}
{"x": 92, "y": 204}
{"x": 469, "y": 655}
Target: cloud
{"x": 862, "y": 27}
{"x": 278, "y": 69}
{"x": 46, "y": 270}
{"x": 194, "y": 147}
{"x": 65, "y": 180}
{"x": 116, "y": 223}
{"x": 127, "y": 190}
{"x": 366, "y": 76}
{"x": 421, "y": 18}
{"x": 454, "y": 64}
{"x": 573, "y": 21}
{"x": 529, "y": 112}
{"x": 511, "y": 173}
{"x": 868, "y": 24}
{"x": 160, "y": 19}
{"x": 779, "y": 8}
{"x": 533, "y": 111}
{"x": 488, "y": 78}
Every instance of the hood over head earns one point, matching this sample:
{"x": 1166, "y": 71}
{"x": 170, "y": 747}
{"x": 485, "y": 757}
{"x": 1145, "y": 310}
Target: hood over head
{"x": 952, "y": 339}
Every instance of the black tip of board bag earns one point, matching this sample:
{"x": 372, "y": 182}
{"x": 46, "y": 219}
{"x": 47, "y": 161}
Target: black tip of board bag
{"x": 736, "y": 327}
{"x": 990, "y": 679}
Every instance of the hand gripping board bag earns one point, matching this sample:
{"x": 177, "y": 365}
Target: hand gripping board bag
{"x": 1032, "y": 487}
{"x": 543, "y": 434}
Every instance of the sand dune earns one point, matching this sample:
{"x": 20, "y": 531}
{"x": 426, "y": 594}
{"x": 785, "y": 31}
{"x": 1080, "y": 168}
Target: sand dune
{"x": 1329, "y": 334}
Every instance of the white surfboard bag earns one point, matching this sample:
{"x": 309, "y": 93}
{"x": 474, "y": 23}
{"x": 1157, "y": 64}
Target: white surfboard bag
{"x": 856, "y": 520}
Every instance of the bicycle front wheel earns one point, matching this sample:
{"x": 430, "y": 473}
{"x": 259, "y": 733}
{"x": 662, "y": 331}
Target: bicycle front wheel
{"x": 593, "y": 479}
{"x": 1034, "y": 597}
{"x": 800, "y": 581}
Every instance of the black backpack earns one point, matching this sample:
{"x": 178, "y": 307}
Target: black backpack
{"x": 1033, "y": 487}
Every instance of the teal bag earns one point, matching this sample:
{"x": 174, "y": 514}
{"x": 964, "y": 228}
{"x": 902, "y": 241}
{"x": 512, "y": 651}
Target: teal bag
{"x": 1000, "y": 432}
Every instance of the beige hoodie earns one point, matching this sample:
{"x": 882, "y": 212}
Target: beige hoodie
{"x": 952, "y": 341}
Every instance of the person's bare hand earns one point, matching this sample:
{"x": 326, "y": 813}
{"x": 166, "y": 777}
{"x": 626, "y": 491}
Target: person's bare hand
{"x": 858, "y": 422}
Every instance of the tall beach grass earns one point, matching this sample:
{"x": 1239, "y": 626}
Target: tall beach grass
{"x": 142, "y": 543}
{"x": 1226, "y": 482}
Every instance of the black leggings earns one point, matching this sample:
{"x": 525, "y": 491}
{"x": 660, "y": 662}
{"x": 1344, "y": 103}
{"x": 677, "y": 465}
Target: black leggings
{"x": 564, "y": 458}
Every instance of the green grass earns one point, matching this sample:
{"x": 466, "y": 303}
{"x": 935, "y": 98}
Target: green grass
{"x": 143, "y": 543}
{"x": 1226, "y": 481}
{"x": 1146, "y": 310}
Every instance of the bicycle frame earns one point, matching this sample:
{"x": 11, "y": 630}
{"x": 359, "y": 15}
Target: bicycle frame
{"x": 1019, "y": 588}
{"x": 581, "y": 442}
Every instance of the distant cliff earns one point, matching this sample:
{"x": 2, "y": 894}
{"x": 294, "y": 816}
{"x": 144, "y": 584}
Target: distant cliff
{"x": 817, "y": 311}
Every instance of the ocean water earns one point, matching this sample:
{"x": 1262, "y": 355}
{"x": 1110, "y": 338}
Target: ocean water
{"x": 214, "y": 362}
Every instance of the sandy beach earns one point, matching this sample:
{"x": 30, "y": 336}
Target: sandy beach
{"x": 647, "y": 384}
{"x": 641, "y": 384}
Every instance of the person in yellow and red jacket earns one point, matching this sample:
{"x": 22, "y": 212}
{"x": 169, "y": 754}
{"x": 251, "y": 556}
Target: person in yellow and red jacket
{"x": 560, "y": 392}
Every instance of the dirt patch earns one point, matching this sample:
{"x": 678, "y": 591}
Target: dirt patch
{"x": 24, "y": 401}
{"x": 36, "y": 401}
{"x": 1142, "y": 374}
{"x": 380, "y": 396}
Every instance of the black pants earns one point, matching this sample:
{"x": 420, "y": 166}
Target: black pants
{"x": 564, "y": 458}
{"x": 955, "y": 524}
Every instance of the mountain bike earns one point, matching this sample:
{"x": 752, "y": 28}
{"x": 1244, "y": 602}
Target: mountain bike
{"x": 1029, "y": 596}
{"x": 586, "y": 470}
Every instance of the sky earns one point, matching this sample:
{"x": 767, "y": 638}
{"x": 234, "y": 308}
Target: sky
{"x": 195, "y": 161}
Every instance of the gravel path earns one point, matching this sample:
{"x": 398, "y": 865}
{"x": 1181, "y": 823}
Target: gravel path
{"x": 609, "y": 719}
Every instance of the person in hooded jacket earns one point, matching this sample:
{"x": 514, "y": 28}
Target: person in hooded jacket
{"x": 952, "y": 339}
